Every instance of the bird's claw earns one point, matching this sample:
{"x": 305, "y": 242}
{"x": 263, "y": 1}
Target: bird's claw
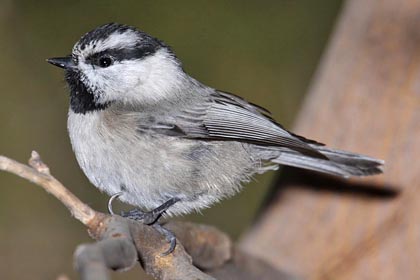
{"x": 169, "y": 236}
{"x": 111, "y": 199}
{"x": 150, "y": 218}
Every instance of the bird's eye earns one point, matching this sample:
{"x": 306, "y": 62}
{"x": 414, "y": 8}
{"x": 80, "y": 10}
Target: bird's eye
{"x": 105, "y": 61}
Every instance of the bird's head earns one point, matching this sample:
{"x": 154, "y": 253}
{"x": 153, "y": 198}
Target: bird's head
{"x": 119, "y": 63}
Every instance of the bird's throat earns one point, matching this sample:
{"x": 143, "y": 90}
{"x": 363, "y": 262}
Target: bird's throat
{"x": 82, "y": 99}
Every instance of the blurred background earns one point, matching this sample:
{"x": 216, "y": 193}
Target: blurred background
{"x": 265, "y": 51}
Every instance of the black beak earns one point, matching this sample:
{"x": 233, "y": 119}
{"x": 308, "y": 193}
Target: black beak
{"x": 62, "y": 62}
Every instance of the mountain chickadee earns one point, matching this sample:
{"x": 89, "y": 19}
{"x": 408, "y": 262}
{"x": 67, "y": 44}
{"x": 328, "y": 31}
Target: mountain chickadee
{"x": 145, "y": 130}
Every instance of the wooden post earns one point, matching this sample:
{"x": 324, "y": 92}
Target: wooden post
{"x": 365, "y": 98}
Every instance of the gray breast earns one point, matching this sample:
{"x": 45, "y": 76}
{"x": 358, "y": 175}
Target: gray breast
{"x": 153, "y": 168}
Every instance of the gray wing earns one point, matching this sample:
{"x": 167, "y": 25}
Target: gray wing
{"x": 227, "y": 117}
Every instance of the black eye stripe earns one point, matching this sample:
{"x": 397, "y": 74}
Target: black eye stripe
{"x": 123, "y": 54}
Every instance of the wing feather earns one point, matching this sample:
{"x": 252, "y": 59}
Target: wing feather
{"x": 228, "y": 117}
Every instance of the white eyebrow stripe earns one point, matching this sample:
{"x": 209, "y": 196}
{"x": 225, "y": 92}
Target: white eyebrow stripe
{"x": 116, "y": 40}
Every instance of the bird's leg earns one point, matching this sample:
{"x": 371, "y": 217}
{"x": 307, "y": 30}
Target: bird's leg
{"x": 150, "y": 218}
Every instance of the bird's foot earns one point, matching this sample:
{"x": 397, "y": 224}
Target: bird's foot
{"x": 150, "y": 218}
{"x": 169, "y": 236}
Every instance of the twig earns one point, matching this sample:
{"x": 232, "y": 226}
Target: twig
{"x": 39, "y": 174}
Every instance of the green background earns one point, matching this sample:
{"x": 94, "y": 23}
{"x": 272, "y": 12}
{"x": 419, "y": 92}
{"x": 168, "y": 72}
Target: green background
{"x": 265, "y": 51}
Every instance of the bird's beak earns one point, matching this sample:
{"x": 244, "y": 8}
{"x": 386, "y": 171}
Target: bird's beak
{"x": 62, "y": 62}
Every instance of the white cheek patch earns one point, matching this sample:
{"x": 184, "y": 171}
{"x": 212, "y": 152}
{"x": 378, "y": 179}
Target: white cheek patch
{"x": 139, "y": 81}
{"x": 153, "y": 78}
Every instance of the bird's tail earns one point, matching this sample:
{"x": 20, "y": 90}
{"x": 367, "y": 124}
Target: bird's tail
{"x": 339, "y": 163}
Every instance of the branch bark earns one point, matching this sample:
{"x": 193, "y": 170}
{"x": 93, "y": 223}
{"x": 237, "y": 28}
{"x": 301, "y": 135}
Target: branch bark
{"x": 201, "y": 251}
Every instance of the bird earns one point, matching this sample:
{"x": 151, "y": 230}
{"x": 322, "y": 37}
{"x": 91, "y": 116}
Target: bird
{"x": 146, "y": 132}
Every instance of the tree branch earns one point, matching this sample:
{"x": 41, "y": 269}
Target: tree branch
{"x": 122, "y": 242}
{"x": 40, "y": 175}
